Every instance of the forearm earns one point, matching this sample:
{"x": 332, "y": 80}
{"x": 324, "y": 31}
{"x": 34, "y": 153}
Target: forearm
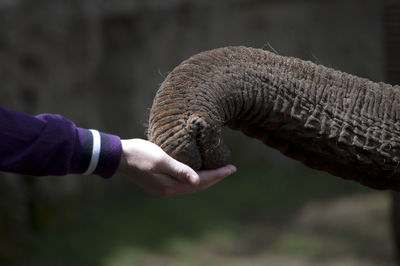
{"x": 53, "y": 145}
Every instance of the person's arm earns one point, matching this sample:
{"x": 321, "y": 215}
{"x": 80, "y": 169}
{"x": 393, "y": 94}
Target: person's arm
{"x": 50, "y": 144}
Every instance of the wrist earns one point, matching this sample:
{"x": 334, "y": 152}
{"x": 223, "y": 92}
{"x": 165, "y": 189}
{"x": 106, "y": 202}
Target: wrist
{"x": 123, "y": 163}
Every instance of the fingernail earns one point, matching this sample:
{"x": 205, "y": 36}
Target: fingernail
{"x": 233, "y": 168}
{"x": 194, "y": 179}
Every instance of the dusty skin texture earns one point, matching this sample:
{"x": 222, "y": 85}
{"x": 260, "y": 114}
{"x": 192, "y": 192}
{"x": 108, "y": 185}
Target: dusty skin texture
{"x": 327, "y": 119}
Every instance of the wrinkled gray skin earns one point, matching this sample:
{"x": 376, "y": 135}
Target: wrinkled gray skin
{"x": 327, "y": 119}
{"x": 391, "y": 26}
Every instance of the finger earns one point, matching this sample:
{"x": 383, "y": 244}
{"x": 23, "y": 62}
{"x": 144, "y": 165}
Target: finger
{"x": 211, "y": 177}
{"x": 172, "y": 187}
{"x": 207, "y": 179}
{"x": 180, "y": 171}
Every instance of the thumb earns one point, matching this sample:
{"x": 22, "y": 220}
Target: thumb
{"x": 180, "y": 171}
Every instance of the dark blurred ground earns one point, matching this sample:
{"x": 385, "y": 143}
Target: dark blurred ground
{"x": 99, "y": 63}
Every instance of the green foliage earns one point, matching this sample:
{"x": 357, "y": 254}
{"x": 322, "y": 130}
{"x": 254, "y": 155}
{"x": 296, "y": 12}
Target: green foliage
{"x": 133, "y": 227}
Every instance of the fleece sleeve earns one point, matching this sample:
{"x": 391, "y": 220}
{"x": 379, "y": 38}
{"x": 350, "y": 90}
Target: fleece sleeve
{"x": 50, "y": 144}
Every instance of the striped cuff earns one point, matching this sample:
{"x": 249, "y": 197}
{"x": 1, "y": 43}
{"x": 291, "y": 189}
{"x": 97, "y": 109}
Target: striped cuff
{"x": 101, "y": 153}
{"x": 96, "y": 148}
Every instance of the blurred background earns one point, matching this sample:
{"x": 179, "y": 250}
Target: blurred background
{"x": 99, "y": 63}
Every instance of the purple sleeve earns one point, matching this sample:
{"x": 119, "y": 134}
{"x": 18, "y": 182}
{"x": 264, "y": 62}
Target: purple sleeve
{"x": 52, "y": 145}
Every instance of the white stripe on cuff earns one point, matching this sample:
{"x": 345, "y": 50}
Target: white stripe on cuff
{"x": 95, "y": 152}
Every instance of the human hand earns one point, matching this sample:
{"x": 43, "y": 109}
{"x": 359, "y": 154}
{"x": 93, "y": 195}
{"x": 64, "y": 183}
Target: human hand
{"x": 147, "y": 165}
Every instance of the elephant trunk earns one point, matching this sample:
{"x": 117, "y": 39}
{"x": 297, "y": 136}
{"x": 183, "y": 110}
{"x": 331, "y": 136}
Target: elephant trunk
{"x": 327, "y": 119}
